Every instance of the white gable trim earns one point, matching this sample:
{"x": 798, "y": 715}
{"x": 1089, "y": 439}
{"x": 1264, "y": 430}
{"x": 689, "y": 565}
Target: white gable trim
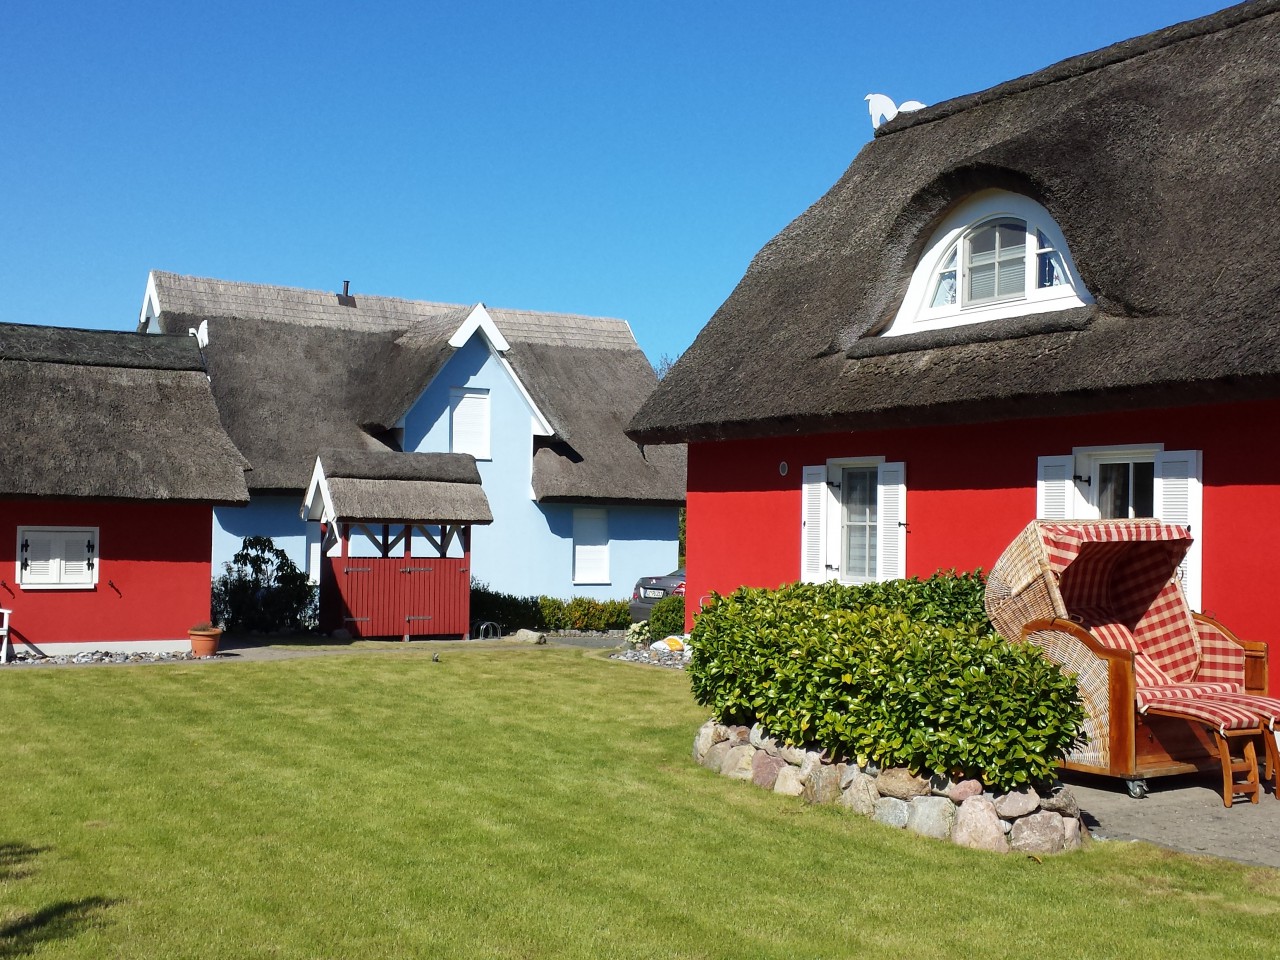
{"x": 150, "y": 306}
{"x": 318, "y": 503}
{"x": 479, "y": 319}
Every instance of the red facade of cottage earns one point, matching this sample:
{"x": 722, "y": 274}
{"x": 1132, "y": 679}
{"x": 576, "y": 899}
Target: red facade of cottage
{"x": 971, "y": 488}
{"x": 153, "y": 573}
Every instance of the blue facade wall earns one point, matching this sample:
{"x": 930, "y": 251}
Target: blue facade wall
{"x": 267, "y": 515}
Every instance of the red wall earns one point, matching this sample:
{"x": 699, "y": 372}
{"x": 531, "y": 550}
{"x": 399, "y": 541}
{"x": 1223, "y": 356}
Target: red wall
{"x": 157, "y": 555}
{"x": 970, "y": 489}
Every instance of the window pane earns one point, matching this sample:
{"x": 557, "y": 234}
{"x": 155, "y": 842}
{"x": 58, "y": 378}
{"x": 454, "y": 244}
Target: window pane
{"x": 1012, "y": 233}
{"x": 1113, "y": 490}
{"x": 1012, "y": 278}
{"x": 950, "y": 263}
{"x": 1050, "y": 271}
{"x": 944, "y": 294}
{"x": 859, "y": 527}
{"x": 982, "y": 282}
{"x": 1144, "y": 489}
{"x": 984, "y": 241}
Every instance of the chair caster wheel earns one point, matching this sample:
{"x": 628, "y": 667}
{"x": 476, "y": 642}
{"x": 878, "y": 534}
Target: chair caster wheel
{"x": 1137, "y": 788}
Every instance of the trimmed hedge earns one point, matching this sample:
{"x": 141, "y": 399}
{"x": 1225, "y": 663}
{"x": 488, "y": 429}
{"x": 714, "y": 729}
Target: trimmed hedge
{"x": 903, "y": 674}
{"x": 513, "y": 612}
{"x": 666, "y": 619}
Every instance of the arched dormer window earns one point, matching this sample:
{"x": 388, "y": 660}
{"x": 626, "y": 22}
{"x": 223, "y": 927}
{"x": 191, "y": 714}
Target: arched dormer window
{"x": 996, "y": 255}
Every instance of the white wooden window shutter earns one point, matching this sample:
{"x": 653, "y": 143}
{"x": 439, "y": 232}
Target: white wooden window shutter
{"x": 590, "y": 546}
{"x": 37, "y": 559}
{"x": 1179, "y": 500}
{"x": 77, "y": 556}
{"x": 891, "y": 493}
{"x": 813, "y": 499}
{"x": 1055, "y": 488}
{"x": 469, "y": 422}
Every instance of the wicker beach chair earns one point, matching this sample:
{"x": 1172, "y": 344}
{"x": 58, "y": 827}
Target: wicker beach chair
{"x": 1166, "y": 690}
{"x": 4, "y": 635}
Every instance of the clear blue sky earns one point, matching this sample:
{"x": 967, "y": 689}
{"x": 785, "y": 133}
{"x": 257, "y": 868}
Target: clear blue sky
{"x": 616, "y": 159}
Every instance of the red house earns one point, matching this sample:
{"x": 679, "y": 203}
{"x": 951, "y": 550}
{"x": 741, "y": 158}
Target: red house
{"x": 113, "y": 460}
{"x": 1055, "y": 298}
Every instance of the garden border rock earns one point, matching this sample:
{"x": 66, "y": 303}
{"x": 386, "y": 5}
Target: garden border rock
{"x": 963, "y": 812}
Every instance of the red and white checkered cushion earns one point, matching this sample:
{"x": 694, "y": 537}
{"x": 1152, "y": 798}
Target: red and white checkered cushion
{"x": 1116, "y": 636}
{"x": 1220, "y": 658}
{"x": 1146, "y": 696}
{"x": 1211, "y": 709}
{"x": 1265, "y": 710}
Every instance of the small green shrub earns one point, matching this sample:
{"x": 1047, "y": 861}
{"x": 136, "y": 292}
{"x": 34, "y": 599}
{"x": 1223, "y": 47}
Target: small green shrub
{"x": 509, "y": 611}
{"x": 667, "y": 618}
{"x": 261, "y": 589}
{"x": 617, "y": 614}
{"x": 907, "y": 673}
{"x": 554, "y": 614}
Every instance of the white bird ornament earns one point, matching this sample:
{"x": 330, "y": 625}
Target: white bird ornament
{"x": 883, "y": 109}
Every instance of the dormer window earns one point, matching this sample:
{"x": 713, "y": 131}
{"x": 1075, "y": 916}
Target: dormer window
{"x": 996, "y": 255}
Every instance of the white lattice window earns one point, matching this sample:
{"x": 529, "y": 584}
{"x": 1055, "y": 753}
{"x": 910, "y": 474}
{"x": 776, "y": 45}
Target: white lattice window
{"x": 57, "y": 557}
{"x": 854, "y": 521}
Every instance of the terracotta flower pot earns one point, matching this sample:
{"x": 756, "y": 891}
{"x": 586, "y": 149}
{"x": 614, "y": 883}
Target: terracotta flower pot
{"x": 204, "y": 643}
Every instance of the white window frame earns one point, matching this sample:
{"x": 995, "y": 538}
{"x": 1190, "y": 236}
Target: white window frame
{"x": 473, "y": 402}
{"x": 64, "y": 573}
{"x": 821, "y": 526}
{"x": 916, "y": 314}
{"x": 591, "y": 546}
{"x": 1066, "y": 489}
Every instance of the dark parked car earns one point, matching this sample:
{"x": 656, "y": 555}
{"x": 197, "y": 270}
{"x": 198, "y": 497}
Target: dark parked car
{"x": 649, "y": 590}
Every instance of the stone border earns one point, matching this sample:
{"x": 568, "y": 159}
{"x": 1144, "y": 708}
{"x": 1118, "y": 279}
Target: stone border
{"x": 960, "y": 811}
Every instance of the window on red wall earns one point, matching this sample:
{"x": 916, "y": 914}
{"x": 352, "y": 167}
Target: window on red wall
{"x": 854, "y": 520}
{"x": 57, "y": 558}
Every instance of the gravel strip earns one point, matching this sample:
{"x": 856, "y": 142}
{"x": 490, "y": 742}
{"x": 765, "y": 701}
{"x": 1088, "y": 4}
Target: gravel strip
{"x": 100, "y": 656}
{"x": 652, "y": 658}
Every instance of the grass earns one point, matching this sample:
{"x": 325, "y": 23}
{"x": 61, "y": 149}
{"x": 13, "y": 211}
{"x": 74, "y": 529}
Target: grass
{"x": 510, "y": 803}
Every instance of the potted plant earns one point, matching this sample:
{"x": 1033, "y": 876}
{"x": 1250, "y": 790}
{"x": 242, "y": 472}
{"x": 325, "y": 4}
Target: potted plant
{"x": 204, "y": 639}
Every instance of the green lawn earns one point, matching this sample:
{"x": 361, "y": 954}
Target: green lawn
{"x": 516, "y": 803}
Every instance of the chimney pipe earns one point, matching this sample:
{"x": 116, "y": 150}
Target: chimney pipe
{"x": 346, "y": 288}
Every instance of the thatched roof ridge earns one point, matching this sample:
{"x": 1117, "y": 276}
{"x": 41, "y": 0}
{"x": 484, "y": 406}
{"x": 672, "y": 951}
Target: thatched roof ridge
{"x": 307, "y": 372}
{"x": 1137, "y": 152}
{"x": 393, "y": 465}
{"x": 97, "y": 348}
{"x": 429, "y": 501}
{"x": 82, "y": 421}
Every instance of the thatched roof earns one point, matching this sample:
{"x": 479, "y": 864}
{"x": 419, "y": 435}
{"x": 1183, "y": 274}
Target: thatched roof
{"x": 430, "y": 487}
{"x": 101, "y": 414}
{"x": 1159, "y": 160}
{"x": 295, "y": 371}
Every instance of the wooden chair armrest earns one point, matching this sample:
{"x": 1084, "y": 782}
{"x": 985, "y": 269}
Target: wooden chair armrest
{"x": 1080, "y": 633}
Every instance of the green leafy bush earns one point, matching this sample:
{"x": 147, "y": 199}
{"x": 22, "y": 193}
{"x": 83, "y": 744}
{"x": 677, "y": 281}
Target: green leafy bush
{"x": 261, "y": 589}
{"x": 907, "y": 673}
{"x": 507, "y": 610}
{"x": 584, "y": 613}
{"x": 553, "y": 613}
{"x": 667, "y": 618}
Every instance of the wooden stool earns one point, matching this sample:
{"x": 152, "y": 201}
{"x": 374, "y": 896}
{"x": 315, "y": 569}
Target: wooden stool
{"x": 1246, "y": 764}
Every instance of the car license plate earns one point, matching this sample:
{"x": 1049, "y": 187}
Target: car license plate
{"x": 651, "y": 594}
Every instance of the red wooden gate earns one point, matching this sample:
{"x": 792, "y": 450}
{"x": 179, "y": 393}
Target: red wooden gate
{"x": 398, "y": 597}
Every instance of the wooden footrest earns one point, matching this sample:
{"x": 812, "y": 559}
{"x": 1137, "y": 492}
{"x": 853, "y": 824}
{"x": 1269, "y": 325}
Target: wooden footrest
{"x": 1246, "y": 764}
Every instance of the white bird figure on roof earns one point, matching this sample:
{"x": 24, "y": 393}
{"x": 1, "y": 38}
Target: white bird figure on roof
{"x": 883, "y": 109}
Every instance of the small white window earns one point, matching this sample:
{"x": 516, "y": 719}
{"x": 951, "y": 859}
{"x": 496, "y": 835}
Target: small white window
{"x": 853, "y": 524}
{"x": 469, "y": 422}
{"x": 590, "y": 546}
{"x": 57, "y": 557}
{"x": 998, "y": 254}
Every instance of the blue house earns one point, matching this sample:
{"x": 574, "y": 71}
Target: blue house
{"x": 540, "y": 400}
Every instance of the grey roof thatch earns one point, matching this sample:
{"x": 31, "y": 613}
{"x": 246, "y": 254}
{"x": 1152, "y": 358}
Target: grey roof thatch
{"x": 295, "y": 371}
{"x": 431, "y": 487}
{"x": 101, "y": 414}
{"x": 1157, "y": 157}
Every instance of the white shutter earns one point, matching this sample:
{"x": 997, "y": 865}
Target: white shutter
{"x": 469, "y": 422}
{"x": 1055, "y": 490}
{"x": 813, "y": 501}
{"x": 76, "y": 556}
{"x": 1178, "y": 500}
{"x": 39, "y": 562}
{"x": 891, "y": 502}
{"x": 590, "y": 546}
